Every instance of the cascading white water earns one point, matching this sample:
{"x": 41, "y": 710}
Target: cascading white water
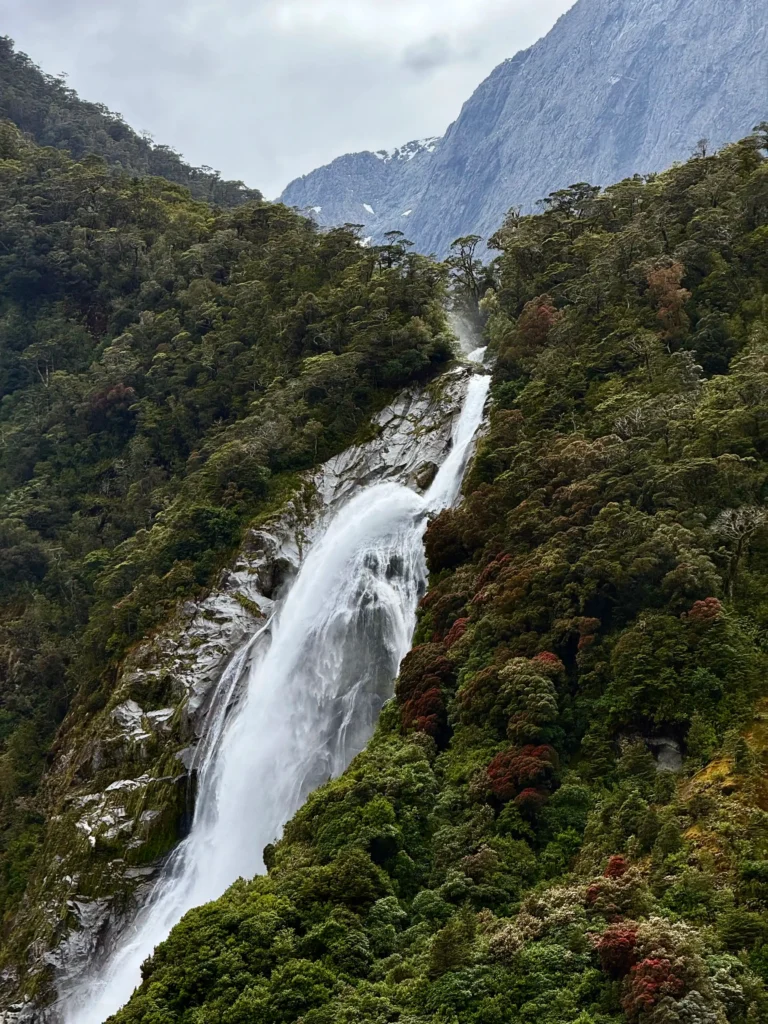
{"x": 310, "y": 706}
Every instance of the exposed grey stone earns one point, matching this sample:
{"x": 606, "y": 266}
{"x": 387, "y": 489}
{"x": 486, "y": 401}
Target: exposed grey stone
{"x": 424, "y": 476}
{"x": 128, "y": 717}
{"x": 141, "y": 873}
{"x": 669, "y": 756}
{"x": 376, "y": 190}
{"x": 192, "y": 655}
{"x": 186, "y": 756}
{"x": 159, "y": 721}
{"x": 617, "y": 87}
{"x": 120, "y": 784}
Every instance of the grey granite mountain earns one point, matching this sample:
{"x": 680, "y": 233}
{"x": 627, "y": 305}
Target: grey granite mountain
{"x": 377, "y": 190}
{"x": 617, "y": 87}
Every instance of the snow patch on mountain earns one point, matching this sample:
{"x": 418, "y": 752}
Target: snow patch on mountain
{"x": 617, "y": 87}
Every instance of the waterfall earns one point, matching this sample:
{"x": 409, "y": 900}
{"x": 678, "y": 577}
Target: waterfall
{"x": 310, "y": 705}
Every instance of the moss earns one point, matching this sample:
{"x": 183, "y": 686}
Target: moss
{"x": 250, "y": 606}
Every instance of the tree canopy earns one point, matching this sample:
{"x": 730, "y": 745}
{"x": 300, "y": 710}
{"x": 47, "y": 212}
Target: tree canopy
{"x": 44, "y": 107}
{"x": 561, "y": 817}
{"x": 165, "y": 368}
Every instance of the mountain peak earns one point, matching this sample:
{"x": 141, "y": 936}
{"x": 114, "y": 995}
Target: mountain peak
{"x": 617, "y": 87}
{"x": 409, "y": 150}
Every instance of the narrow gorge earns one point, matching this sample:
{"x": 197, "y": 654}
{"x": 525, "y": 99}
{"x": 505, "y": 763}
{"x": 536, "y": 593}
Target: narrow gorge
{"x": 325, "y": 699}
{"x": 283, "y": 671}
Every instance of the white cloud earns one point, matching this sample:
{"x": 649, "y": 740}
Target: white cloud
{"x": 377, "y": 20}
{"x": 269, "y": 89}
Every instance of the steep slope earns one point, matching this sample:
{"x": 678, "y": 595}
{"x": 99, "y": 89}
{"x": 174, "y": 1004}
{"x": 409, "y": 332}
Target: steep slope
{"x": 167, "y": 368}
{"x": 377, "y": 190}
{"x": 119, "y": 790}
{"x": 54, "y": 115}
{"x": 561, "y": 817}
{"x": 617, "y": 87}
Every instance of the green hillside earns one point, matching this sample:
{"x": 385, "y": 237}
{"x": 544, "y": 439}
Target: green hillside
{"x": 50, "y": 112}
{"x": 166, "y": 368}
{"x": 508, "y": 849}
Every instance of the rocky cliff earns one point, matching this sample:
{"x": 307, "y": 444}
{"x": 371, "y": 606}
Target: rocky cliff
{"x": 617, "y": 87}
{"x": 378, "y": 190}
{"x": 122, "y": 786}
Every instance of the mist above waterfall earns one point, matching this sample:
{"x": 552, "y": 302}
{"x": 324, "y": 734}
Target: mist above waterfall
{"x": 310, "y": 705}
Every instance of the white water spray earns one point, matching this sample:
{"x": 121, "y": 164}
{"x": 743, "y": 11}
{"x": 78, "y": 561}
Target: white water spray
{"x": 311, "y": 703}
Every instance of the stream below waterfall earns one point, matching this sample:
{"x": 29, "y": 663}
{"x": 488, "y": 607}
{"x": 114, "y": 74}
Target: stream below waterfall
{"x": 310, "y": 703}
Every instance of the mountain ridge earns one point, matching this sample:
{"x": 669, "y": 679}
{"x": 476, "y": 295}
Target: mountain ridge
{"x": 375, "y": 189}
{"x": 52, "y": 114}
{"x": 611, "y": 90}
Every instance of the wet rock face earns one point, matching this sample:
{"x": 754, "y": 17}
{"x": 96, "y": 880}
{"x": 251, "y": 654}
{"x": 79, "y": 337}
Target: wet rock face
{"x": 666, "y": 750}
{"x": 122, "y": 787}
{"x": 668, "y": 753}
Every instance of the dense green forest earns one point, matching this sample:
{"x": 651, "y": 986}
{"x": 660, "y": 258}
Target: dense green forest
{"x": 166, "y": 368}
{"x": 507, "y": 848}
{"x": 50, "y": 112}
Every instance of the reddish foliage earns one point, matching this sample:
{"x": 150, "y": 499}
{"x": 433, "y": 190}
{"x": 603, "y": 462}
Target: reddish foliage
{"x": 548, "y": 663}
{"x": 111, "y": 407}
{"x": 531, "y": 800}
{"x": 585, "y": 641}
{"x": 648, "y": 982}
{"x": 423, "y": 674}
{"x": 456, "y": 632}
{"x": 445, "y": 607}
{"x": 617, "y": 866}
{"x": 544, "y": 753}
{"x": 587, "y": 626}
{"x": 423, "y": 667}
{"x": 492, "y": 570}
{"x": 425, "y": 713}
{"x": 515, "y": 770}
{"x": 705, "y": 611}
{"x": 616, "y": 948}
{"x": 501, "y": 775}
{"x": 666, "y": 293}
{"x": 535, "y": 323}
{"x": 119, "y": 395}
{"x": 517, "y": 585}
{"x": 594, "y": 891}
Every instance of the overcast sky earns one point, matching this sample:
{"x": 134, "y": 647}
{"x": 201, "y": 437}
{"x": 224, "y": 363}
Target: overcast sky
{"x": 266, "y": 90}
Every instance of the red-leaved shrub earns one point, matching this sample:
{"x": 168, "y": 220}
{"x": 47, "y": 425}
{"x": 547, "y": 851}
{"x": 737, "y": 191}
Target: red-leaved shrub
{"x": 705, "y": 611}
{"x": 426, "y": 712}
{"x": 491, "y": 572}
{"x": 423, "y": 674}
{"x": 616, "y": 948}
{"x": 520, "y": 769}
{"x": 531, "y": 800}
{"x": 456, "y": 632}
{"x": 648, "y": 982}
{"x": 617, "y": 866}
{"x": 549, "y": 662}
